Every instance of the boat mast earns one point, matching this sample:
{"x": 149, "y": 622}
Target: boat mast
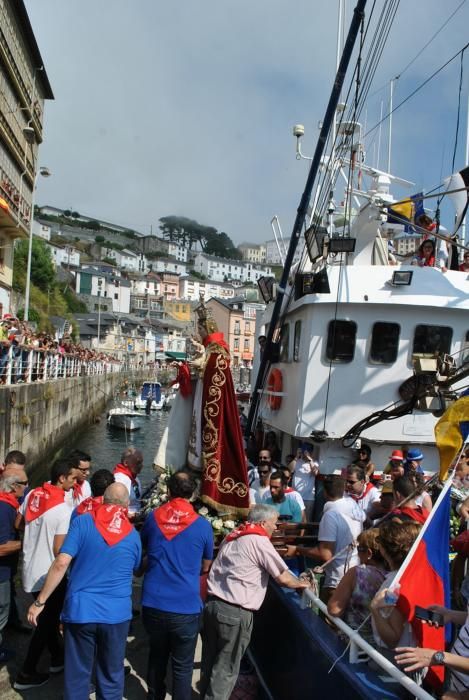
{"x": 329, "y": 117}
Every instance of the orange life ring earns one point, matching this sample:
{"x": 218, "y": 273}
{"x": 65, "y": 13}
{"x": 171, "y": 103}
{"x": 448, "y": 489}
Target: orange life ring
{"x": 275, "y": 385}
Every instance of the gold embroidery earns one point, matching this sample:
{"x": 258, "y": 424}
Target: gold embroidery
{"x": 210, "y": 433}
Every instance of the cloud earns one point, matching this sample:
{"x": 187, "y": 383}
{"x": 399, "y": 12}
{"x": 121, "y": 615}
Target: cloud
{"x": 187, "y": 108}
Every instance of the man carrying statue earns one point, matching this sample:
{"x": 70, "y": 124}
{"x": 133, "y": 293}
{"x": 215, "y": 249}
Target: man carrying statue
{"x": 204, "y": 431}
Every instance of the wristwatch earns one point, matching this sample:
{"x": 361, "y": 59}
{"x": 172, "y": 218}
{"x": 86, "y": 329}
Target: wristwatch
{"x": 38, "y": 604}
{"x": 438, "y": 658}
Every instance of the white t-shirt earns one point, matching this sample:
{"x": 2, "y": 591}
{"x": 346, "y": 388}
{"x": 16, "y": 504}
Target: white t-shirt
{"x": 372, "y": 496}
{"x": 341, "y": 523}
{"x": 134, "y": 503}
{"x": 38, "y": 543}
{"x": 85, "y": 493}
{"x": 304, "y": 481}
{"x": 261, "y": 491}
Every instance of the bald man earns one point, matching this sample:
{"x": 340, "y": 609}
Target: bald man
{"x": 97, "y": 611}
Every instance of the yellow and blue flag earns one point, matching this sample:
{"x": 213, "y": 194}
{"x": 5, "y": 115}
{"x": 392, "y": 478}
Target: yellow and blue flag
{"x": 451, "y": 433}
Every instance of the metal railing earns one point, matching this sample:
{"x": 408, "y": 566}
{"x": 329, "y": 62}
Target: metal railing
{"x": 356, "y": 640}
{"x": 22, "y": 365}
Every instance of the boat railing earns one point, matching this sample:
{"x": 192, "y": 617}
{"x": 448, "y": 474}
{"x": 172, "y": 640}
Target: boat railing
{"x": 23, "y": 365}
{"x": 358, "y": 644}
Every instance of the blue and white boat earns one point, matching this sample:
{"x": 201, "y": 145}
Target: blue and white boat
{"x": 150, "y": 390}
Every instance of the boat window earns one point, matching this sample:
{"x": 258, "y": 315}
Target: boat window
{"x": 384, "y": 342}
{"x": 341, "y": 337}
{"x": 284, "y": 343}
{"x": 432, "y": 340}
{"x": 296, "y": 342}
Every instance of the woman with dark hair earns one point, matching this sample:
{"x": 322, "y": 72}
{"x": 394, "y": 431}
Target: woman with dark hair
{"x": 390, "y": 628}
{"x": 363, "y": 460}
{"x": 354, "y": 593}
{"x": 426, "y": 254}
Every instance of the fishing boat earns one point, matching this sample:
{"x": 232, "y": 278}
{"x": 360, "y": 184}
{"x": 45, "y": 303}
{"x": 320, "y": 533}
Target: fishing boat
{"x": 123, "y": 418}
{"x": 361, "y": 345}
{"x": 150, "y": 397}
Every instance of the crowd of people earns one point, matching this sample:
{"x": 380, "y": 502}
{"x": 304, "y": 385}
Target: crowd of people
{"x": 19, "y": 364}
{"x": 83, "y": 539}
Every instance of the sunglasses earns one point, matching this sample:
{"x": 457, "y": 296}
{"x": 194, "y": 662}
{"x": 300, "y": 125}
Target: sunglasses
{"x": 263, "y": 471}
{"x": 21, "y": 483}
{"x": 362, "y": 550}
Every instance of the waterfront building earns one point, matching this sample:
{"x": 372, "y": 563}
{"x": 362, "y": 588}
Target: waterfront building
{"x": 226, "y": 270}
{"x": 236, "y": 319}
{"x": 406, "y": 243}
{"x": 24, "y": 87}
{"x": 253, "y": 252}
{"x": 192, "y": 288}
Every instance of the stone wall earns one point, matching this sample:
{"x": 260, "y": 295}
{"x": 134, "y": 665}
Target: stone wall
{"x": 39, "y": 418}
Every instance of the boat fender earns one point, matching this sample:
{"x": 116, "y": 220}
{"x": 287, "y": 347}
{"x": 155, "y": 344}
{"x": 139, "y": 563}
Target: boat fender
{"x": 274, "y": 387}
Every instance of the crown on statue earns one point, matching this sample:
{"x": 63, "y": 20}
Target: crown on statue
{"x": 204, "y": 317}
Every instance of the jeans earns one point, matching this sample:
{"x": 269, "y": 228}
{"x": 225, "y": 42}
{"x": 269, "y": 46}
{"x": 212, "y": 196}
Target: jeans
{"x": 225, "y": 637}
{"x": 47, "y": 633}
{"x": 174, "y": 636}
{"x": 4, "y": 605}
{"x": 87, "y": 643}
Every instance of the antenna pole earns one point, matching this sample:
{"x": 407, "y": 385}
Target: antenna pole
{"x": 391, "y": 91}
{"x": 329, "y": 117}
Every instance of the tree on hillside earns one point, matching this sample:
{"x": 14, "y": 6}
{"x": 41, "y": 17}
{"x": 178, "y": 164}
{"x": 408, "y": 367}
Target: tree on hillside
{"x": 187, "y": 232}
{"x": 42, "y": 268}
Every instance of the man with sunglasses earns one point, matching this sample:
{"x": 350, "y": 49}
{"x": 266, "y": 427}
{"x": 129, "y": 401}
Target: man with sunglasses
{"x": 12, "y": 487}
{"x": 82, "y": 489}
{"x": 261, "y": 484}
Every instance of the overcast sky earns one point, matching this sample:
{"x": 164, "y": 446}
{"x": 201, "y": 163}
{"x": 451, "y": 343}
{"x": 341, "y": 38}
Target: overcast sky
{"x": 187, "y": 107}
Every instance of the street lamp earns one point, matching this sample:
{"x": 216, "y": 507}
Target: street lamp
{"x": 45, "y": 172}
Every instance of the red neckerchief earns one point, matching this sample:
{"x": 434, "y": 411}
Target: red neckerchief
{"x": 123, "y": 469}
{"x": 89, "y": 504}
{"x": 112, "y": 523}
{"x": 367, "y": 488}
{"x": 43, "y": 499}
{"x": 246, "y": 529}
{"x": 77, "y": 490}
{"x": 288, "y": 489}
{"x": 217, "y": 338}
{"x": 418, "y": 514}
{"x": 174, "y": 517}
{"x": 11, "y": 499}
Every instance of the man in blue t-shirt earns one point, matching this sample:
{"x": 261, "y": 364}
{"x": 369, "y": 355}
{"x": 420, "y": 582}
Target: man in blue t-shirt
{"x": 179, "y": 547}
{"x": 287, "y": 508}
{"x": 105, "y": 550}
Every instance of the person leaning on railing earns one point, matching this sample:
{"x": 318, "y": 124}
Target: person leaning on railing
{"x": 457, "y": 661}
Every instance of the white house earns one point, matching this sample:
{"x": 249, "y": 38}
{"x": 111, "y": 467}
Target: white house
{"x": 272, "y": 255}
{"x": 41, "y": 230}
{"x": 168, "y": 265}
{"x": 64, "y": 255}
{"x": 225, "y": 270}
{"x": 191, "y": 288}
{"x": 126, "y": 259}
{"x": 100, "y": 285}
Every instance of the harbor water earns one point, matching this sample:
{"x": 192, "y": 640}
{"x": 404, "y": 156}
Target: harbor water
{"x": 106, "y": 444}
